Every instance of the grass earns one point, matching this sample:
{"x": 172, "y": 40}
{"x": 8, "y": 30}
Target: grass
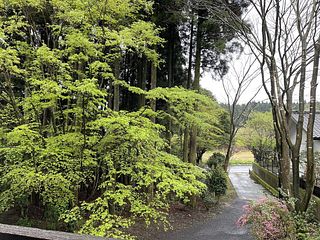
{"x": 242, "y": 158}
{"x": 239, "y": 158}
{"x": 206, "y": 156}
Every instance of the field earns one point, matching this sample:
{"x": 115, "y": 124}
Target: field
{"x": 239, "y": 158}
{"x": 243, "y": 157}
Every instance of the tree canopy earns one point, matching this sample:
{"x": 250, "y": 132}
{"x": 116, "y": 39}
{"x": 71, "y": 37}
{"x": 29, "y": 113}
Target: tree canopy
{"x": 89, "y": 91}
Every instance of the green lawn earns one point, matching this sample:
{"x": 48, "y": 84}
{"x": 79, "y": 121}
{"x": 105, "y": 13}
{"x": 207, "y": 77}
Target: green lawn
{"x": 243, "y": 157}
{"x": 206, "y": 156}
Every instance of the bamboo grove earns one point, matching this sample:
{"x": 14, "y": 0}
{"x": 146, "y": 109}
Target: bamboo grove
{"x": 101, "y": 108}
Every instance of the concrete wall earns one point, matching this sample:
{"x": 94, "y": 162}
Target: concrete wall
{"x": 267, "y": 176}
{"x": 10, "y": 232}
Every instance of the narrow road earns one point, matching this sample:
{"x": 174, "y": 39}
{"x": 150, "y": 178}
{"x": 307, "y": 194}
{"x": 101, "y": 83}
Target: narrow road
{"x": 223, "y": 226}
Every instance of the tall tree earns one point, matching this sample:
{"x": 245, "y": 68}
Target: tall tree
{"x": 285, "y": 50}
{"x": 235, "y": 88}
{"x": 211, "y": 42}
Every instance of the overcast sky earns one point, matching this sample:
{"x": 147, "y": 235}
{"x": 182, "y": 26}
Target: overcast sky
{"x": 238, "y": 66}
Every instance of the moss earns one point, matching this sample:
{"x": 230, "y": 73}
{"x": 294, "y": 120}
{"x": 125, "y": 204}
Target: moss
{"x": 261, "y": 175}
{"x": 255, "y": 177}
{"x": 267, "y": 176}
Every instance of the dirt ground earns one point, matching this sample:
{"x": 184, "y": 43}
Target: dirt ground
{"x": 181, "y": 216}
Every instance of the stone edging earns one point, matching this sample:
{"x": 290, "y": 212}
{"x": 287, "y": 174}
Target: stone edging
{"x": 44, "y": 234}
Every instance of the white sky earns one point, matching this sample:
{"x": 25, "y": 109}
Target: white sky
{"x": 237, "y": 68}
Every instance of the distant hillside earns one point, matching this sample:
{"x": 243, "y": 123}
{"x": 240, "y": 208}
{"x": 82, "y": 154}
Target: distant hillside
{"x": 266, "y": 106}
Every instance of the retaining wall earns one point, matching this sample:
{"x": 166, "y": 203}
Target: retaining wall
{"x": 270, "y": 181}
{"x": 10, "y": 232}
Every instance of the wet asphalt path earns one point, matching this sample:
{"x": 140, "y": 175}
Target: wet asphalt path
{"x": 223, "y": 226}
{"x": 245, "y": 187}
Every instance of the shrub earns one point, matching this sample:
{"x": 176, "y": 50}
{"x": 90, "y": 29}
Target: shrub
{"x": 306, "y": 224}
{"x": 216, "y": 181}
{"x": 215, "y": 160}
{"x": 270, "y": 220}
{"x": 305, "y": 229}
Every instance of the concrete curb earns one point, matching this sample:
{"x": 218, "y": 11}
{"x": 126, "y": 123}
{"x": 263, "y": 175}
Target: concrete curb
{"x": 16, "y": 232}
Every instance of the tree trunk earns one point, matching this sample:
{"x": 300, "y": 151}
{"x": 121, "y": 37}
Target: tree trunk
{"x": 229, "y": 153}
{"x": 295, "y": 159}
{"x": 170, "y": 64}
{"x": 143, "y": 82}
{"x": 285, "y": 168}
{"x": 196, "y": 82}
{"x": 310, "y": 173}
{"x": 153, "y": 85}
{"x": 186, "y": 144}
{"x": 189, "y": 77}
{"x": 186, "y": 134}
{"x": 116, "y": 87}
{"x": 299, "y": 127}
{"x": 193, "y": 145}
{"x": 200, "y": 153}
{"x": 196, "y": 86}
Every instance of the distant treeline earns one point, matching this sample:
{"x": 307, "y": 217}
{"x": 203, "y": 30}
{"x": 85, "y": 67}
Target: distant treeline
{"x": 266, "y": 106}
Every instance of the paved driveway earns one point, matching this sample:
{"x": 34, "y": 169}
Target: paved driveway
{"x": 223, "y": 226}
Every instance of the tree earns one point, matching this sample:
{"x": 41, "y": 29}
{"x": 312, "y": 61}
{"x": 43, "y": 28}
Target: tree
{"x": 258, "y": 135}
{"x": 87, "y": 94}
{"x": 68, "y": 147}
{"x": 234, "y": 88}
{"x": 286, "y": 48}
{"x": 213, "y": 134}
{"x": 211, "y": 42}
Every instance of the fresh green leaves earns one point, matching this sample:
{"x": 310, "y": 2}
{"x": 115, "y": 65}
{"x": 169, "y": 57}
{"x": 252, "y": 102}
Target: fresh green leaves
{"x": 63, "y": 149}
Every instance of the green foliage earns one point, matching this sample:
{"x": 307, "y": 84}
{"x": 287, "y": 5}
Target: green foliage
{"x": 63, "y": 150}
{"x": 183, "y": 103}
{"x": 258, "y": 135}
{"x": 306, "y": 229}
{"x": 216, "y": 181}
{"x": 132, "y": 149}
{"x": 306, "y": 224}
{"x": 258, "y": 131}
{"x": 215, "y": 160}
{"x": 189, "y": 108}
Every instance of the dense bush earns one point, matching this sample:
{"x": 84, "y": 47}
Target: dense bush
{"x": 215, "y": 160}
{"x": 305, "y": 229}
{"x": 306, "y": 224}
{"x": 270, "y": 220}
{"x": 217, "y": 181}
